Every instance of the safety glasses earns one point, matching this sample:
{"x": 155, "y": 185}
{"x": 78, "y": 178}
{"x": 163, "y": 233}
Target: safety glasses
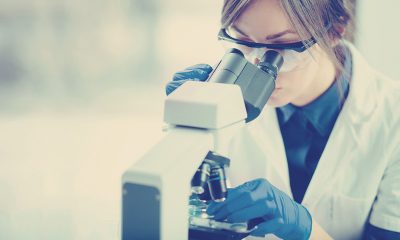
{"x": 293, "y": 54}
{"x": 295, "y": 46}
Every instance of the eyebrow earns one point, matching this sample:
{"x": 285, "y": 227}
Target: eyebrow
{"x": 270, "y": 37}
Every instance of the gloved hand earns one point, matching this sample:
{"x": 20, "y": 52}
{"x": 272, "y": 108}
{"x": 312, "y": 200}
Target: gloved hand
{"x": 197, "y": 72}
{"x": 282, "y": 216}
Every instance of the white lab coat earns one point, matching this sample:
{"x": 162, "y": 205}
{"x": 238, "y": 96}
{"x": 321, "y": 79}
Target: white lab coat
{"x": 358, "y": 176}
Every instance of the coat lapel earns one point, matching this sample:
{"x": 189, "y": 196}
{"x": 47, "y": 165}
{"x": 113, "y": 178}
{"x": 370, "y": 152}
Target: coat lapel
{"x": 267, "y": 135}
{"x": 346, "y": 137}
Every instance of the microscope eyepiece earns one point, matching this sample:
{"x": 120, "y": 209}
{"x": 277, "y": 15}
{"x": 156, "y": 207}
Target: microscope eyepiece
{"x": 235, "y": 50}
{"x": 274, "y": 58}
{"x": 271, "y": 62}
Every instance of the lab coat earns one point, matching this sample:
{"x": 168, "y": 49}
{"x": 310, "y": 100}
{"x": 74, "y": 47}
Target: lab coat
{"x": 358, "y": 175}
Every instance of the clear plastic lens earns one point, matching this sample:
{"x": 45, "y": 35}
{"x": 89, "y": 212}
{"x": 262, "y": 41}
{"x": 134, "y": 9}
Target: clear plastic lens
{"x": 292, "y": 59}
{"x": 244, "y": 49}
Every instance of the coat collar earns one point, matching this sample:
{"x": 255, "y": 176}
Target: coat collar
{"x": 362, "y": 99}
{"x": 266, "y": 132}
{"x": 347, "y": 135}
{"x": 323, "y": 111}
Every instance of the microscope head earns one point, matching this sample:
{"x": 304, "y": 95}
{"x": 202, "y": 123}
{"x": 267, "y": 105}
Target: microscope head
{"x": 257, "y": 82}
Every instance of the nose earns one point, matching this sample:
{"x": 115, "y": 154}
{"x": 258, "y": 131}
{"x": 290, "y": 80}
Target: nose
{"x": 255, "y": 55}
{"x": 252, "y": 59}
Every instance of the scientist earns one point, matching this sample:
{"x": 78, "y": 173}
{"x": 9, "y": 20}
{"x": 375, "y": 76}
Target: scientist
{"x": 323, "y": 159}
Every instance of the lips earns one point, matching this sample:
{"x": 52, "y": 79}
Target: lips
{"x": 277, "y": 87}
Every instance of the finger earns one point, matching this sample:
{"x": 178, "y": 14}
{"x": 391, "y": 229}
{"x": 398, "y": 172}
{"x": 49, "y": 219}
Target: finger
{"x": 205, "y": 67}
{"x": 257, "y": 210}
{"x": 213, "y": 207}
{"x": 264, "y": 190}
{"x": 171, "y": 86}
{"x": 192, "y": 74}
{"x": 238, "y": 191}
{"x": 268, "y": 227}
{"x": 227, "y": 209}
{"x": 232, "y": 194}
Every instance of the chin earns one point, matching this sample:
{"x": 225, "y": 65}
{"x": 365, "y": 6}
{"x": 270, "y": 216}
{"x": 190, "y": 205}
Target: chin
{"x": 276, "y": 104}
{"x": 275, "y": 101}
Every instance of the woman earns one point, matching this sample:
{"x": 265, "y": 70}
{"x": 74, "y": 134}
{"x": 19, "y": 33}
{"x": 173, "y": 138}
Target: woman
{"x": 325, "y": 152}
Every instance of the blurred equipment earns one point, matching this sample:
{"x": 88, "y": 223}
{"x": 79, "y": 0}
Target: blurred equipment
{"x": 188, "y": 164}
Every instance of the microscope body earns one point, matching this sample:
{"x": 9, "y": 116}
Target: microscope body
{"x": 156, "y": 188}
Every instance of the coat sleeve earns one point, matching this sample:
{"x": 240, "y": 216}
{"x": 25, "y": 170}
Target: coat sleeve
{"x": 385, "y": 212}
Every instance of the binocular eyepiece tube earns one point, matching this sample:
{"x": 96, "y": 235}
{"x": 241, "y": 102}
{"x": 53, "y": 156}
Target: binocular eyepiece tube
{"x": 257, "y": 82}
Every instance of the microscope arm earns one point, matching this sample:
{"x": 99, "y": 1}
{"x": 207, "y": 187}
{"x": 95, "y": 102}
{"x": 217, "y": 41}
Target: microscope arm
{"x": 156, "y": 188}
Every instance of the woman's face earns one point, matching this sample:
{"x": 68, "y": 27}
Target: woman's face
{"x": 264, "y": 21}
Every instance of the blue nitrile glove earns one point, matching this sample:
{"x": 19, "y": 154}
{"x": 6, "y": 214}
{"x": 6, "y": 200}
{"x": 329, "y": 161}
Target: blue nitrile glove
{"x": 197, "y": 72}
{"x": 280, "y": 215}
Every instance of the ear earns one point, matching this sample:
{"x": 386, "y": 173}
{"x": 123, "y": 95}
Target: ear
{"x": 340, "y": 31}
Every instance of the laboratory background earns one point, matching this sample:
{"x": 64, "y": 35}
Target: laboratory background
{"x": 82, "y": 85}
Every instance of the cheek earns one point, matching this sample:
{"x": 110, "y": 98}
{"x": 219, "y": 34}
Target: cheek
{"x": 293, "y": 84}
{"x": 297, "y": 79}
{"x": 290, "y": 85}
{"x": 290, "y": 80}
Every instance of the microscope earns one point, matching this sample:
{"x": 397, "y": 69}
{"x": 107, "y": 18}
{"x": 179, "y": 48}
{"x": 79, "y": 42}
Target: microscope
{"x": 165, "y": 193}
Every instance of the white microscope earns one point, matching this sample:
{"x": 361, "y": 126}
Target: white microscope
{"x": 166, "y": 192}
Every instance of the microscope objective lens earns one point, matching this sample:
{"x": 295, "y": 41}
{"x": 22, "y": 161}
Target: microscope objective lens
{"x": 217, "y": 184}
{"x": 200, "y": 178}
